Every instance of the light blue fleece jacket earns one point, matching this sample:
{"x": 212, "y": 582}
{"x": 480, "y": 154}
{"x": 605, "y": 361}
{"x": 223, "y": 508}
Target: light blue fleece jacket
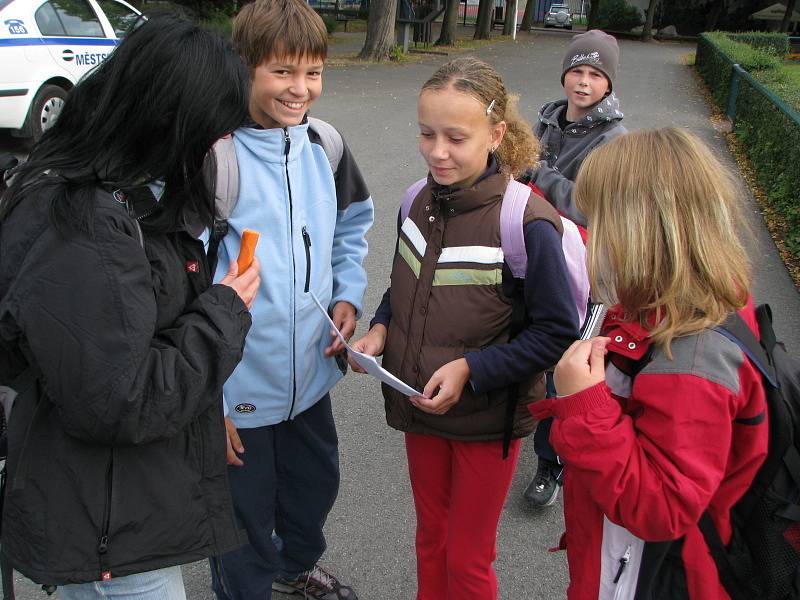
{"x": 289, "y": 194}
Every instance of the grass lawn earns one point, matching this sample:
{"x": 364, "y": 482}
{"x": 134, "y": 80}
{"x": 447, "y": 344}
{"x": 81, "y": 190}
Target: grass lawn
{"x": 792, "y": 69}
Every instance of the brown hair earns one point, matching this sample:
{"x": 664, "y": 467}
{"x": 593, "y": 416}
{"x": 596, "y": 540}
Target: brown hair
{"x": 519, "y": 149}
{"x": 664, "y": 224}
{"x": 276, "y": 28}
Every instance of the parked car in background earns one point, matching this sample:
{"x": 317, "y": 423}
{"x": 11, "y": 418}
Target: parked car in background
{"x": 559, "y": 15}
{"x": 46, "y": 46}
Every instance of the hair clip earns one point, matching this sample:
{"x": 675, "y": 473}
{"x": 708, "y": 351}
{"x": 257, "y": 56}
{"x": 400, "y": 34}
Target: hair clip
{"x": 489, "y": 108}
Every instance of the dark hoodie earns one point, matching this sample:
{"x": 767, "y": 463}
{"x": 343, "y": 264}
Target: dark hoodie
{"x": 563, "y": 150}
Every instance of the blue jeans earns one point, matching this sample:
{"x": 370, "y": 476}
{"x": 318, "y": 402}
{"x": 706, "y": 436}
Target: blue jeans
{"x": 161, "y": 584}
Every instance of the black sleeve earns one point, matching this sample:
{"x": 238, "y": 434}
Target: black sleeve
{"x": 88, "y": 315}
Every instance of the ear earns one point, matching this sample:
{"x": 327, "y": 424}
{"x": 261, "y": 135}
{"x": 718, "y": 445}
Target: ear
{"x": 496, "y": 134}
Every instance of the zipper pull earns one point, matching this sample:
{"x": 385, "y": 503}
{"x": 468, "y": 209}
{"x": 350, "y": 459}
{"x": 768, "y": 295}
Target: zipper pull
{"x": 623, "y": 562}
{"x": 287, "y": 141}
{"x": 103, "y": 547}
{"x": 307, "y": 243}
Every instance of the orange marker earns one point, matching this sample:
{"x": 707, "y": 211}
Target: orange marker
{"x": 247, "y": 249}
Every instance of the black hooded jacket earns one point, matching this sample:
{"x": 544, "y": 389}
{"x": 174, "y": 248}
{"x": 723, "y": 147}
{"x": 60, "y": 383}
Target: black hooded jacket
{"x": 118, "y": 347}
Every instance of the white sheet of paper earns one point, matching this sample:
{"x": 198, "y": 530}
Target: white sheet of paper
{"x": 368, "y": 363}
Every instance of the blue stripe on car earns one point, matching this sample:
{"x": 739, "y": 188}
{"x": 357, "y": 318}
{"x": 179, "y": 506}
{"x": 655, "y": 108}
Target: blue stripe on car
{"x": 57, "y": 41}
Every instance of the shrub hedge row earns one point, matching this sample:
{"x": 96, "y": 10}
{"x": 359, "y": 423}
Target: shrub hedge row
{"x": 773, "y": 42}
{"x": 768, "y": 133}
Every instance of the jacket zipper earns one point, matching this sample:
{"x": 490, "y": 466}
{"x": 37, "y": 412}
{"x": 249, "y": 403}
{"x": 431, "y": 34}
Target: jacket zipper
{"x": 307, "y": 243}
{"x": 288, "y": 144}
{"x": 623, "y": 562}
{"x": 102, "y": 547}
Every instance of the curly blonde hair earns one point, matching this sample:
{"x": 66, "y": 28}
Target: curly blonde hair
{"x": 519, "y": 149}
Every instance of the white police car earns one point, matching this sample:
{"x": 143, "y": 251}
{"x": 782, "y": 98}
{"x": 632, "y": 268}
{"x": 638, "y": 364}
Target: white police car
{"x": 45, "y": 47}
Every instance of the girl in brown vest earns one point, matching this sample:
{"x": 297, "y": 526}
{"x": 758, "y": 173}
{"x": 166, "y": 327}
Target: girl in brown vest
{"x": 445, "y": 326}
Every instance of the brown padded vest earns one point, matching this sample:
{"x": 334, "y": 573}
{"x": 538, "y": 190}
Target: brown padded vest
{"x": 447, "y": 299}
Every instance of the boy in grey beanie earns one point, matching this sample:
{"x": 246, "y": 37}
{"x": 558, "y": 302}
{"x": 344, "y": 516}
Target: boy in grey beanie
{"x": 568, "y": 130}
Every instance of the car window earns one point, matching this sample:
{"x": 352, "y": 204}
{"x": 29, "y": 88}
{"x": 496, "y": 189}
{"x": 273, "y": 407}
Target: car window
{"x": 72, "y": 18}
{"x": 121, "y": 17}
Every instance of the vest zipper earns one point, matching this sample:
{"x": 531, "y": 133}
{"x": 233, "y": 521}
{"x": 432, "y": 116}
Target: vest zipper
{"x": 287, "y": 146}
{"x": 307, "y": 243}
{"x": 102, "y": 547}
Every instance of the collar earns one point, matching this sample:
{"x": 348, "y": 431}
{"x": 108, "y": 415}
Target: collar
{"x": 269, "y": 145}
{"x": 628, "y": 338}
{"x": 488, "y": 189}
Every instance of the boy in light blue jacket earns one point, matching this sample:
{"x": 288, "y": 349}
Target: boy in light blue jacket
{"x": 311, "y": 206}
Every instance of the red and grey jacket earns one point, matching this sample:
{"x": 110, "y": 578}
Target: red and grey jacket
{"x": 646, "y": 454}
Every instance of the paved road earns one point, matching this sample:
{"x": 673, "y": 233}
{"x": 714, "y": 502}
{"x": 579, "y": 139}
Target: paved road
{"x": 370, "y": 531}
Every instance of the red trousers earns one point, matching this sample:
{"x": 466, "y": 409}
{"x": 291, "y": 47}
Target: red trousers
{"x": 459, "y": 491}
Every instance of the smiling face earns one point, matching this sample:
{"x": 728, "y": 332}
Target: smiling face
{"x": 584, "y": 86}
{"x": 283, "y": 89}
{"x": 455, "y": 136}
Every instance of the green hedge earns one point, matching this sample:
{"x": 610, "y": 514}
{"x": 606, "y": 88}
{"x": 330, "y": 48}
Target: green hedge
{"x": 773, "y": 42}
{"x": 768, "y": 133}
{"x": 770, "y": 138}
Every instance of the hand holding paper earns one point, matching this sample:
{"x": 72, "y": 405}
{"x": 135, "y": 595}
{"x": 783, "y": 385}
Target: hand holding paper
{"x": 366, "y": 362}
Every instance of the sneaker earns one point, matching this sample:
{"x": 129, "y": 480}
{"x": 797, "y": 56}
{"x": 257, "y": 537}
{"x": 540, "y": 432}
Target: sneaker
{"x": 543, "y": 490}
{"x": 316, "y": 583}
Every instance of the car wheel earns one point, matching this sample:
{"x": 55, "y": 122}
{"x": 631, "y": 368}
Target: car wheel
{"x": 569, "y": 27}
{"x": 45, "y": 108}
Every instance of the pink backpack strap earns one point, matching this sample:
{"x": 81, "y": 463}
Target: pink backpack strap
{"x": 512, "y": 236}
{"x": 577, "y": 274}
{"x": 409, "y": 197}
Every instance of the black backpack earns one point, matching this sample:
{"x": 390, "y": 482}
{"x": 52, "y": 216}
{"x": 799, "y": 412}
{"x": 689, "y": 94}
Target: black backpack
{"x": 762, "y": 559}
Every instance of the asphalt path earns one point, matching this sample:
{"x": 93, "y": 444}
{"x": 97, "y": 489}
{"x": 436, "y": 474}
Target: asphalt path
{"x": 371, "y": 529}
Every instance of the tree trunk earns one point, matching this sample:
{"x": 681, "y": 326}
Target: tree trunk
{"x": 786, "y": 24}
{"x": 594, "y": 13}
{"x": 508, "y": 22}
{"x": 527, "y": 18}
{"x": 484, "y": 25}
{"x": 380, "y": 30}
{"x": 447, "y": 36}
{"x": 647, "y": 31}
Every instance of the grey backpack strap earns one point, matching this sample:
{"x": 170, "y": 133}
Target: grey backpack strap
{"x": 331, "y": 140}
{"x": 226, "y": 194}
{"x": 226, "y": 184}
{"x": 408, "y": 199}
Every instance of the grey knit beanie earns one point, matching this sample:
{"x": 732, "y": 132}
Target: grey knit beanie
{"x": 595, "y": 48}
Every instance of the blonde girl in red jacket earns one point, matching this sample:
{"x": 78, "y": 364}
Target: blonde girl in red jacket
{"x": 648, "y": 451}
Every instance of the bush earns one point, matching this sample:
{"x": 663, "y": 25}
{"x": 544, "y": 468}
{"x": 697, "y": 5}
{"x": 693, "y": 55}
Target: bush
{"x": 716, "y": 54}
{"x": 769, "y": 137}
{"x": 618, "y": 15}
{"x": 330, "y": 23}
{"x": 219, "y": 22}
{"x": 775, "y": 43}
{"x": 768, "y": 134}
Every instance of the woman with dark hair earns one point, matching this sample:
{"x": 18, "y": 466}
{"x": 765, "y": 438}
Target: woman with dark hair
{"x": 111, "y": 334}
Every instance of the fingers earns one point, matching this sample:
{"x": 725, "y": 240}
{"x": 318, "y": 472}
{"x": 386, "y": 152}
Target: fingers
{"x": 233, "y": 270}
{"x": 234, "y": 443}
{"x": 597, "y": 358}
